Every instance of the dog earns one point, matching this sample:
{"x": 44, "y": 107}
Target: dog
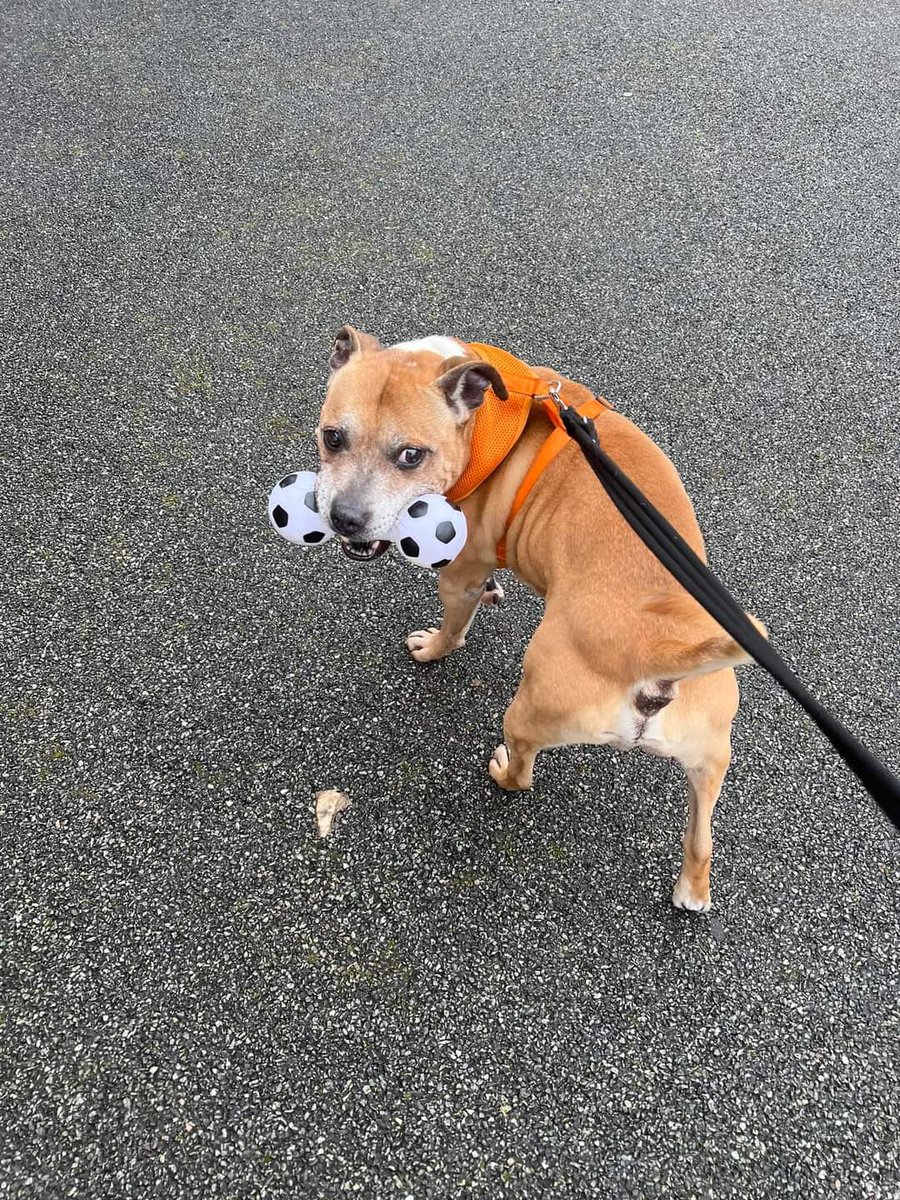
{"x": 623, "y": 656}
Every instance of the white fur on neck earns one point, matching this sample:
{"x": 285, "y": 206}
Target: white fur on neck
{"x": 446, "y": 347}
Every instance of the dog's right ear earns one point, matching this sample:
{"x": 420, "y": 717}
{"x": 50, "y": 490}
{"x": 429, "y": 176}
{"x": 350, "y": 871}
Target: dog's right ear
{"x": 349, "y": 341}
{"x": 465, "y": 381}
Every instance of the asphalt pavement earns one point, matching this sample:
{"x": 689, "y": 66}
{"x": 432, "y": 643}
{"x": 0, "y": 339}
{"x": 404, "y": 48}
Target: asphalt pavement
{"x": 691, "y": 206}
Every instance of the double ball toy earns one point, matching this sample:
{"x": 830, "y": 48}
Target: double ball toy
{"x": 430, "y": 531}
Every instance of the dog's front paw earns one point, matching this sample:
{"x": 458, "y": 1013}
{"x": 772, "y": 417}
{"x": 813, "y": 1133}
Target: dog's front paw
{"x": 428, "y": 645}
{"x": 493, "y": 594}
{"x": 686, "y": 897}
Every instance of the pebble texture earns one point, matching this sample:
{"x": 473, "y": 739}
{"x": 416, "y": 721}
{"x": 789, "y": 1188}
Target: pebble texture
{"x": 692, "y": 206}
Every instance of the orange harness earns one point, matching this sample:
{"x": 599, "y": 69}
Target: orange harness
{"x": 500, "y": 423}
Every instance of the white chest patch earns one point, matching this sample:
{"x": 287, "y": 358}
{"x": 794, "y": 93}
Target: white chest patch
{"x": 446, "y": 347}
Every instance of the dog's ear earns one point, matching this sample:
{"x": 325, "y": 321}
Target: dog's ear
{"x": 464, "y": 382}
{"x": 349, "y": 341}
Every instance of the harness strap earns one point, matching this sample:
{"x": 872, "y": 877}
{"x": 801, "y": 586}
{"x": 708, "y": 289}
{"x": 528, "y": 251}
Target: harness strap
{"x": 498, "y": 424}
{"x": 517, "y": 375}
{"x": 556, "y": 442}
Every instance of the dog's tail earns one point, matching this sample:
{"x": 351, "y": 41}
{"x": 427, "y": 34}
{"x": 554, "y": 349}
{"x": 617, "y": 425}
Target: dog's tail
{"x": 689, "y": 641}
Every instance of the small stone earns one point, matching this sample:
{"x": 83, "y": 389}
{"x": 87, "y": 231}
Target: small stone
{"x": 328, "y": 804}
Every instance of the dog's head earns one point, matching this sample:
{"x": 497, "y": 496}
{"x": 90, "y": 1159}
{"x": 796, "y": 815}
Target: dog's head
{"x": 396, "y": 423}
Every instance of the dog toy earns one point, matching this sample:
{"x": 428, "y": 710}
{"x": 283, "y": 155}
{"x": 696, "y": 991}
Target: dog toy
{"x": 430, "y": 531}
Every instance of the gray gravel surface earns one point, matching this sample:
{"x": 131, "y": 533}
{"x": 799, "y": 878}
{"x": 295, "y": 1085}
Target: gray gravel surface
{"x": 692, "y": 206}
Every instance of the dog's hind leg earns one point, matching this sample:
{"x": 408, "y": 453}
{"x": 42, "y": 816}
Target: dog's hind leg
{"x": 704, "y": 783}
{"x": 547, "y": 710}
{"x": 699, "y": 726}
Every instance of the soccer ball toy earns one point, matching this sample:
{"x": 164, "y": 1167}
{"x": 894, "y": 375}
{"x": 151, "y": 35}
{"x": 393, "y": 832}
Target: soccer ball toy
{"x": 294, "y": 513}
{"x": 430, "y": 532}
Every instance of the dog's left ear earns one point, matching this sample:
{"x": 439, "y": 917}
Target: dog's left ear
{"x": 464, "y": 382}
{"x": 347, "y": 342}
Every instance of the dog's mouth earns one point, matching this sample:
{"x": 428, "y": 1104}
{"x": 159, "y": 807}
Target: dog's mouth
{"x": 363, "y": 551}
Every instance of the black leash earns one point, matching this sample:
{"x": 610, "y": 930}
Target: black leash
{"x": 676, "y": 555}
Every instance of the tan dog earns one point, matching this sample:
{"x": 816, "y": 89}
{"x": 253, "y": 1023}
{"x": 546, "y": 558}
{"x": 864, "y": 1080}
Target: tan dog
{"x": 623, "y": 655}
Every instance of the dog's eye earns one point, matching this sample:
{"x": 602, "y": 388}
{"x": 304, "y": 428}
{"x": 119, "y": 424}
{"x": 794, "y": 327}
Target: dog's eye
{"x": 410, "y": 456}
{"x": 332, "y": 439}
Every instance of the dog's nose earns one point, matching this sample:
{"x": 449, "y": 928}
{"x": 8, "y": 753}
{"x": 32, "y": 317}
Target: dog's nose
{"x": 347, "y": 519}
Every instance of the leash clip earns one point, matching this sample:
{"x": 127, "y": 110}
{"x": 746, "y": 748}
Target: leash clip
{"x": 566, "y": 416}
{"x": 554, "y": 405}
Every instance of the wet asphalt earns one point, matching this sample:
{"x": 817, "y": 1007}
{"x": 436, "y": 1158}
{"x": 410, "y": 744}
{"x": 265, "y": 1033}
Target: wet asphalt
{"x": 693, "y": 207}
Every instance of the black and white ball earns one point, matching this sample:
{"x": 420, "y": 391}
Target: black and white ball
{"x": 293, "y": 511}
{"x": 430, "y": 532}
